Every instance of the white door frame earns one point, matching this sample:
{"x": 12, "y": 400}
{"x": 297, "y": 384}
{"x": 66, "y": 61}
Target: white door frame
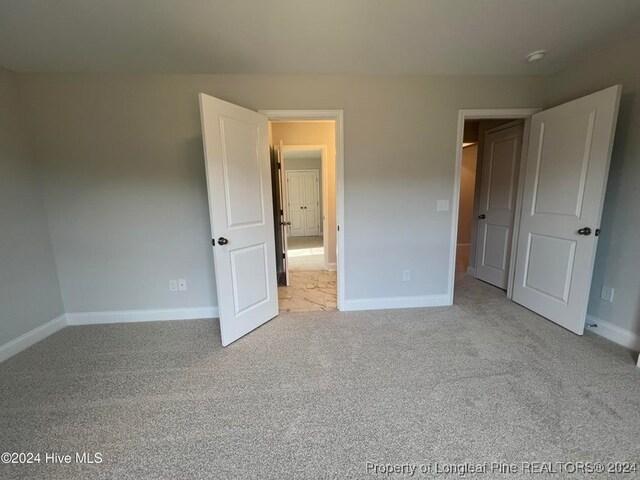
{"x": 487, "y": 114}
{"x": 337, "y": 116}
{"x": 324, "y": 186}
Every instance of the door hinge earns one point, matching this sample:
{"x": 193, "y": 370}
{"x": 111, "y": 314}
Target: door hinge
{"x": 279, "y": 166}
{"x": 284, "y": 255}
{"x": 281, "y": 212}
{"x": 338, "y": 227}
{"x": 213, "y": 242}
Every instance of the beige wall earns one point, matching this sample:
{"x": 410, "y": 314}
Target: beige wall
{"x": 315, "y": 133}
{"x": 29, "y": 290}
{"x": 465, "y": 213}
{"x": 618, "y": 256}
{"x": 124, "y": 181}
{"x": 467, "y": 189}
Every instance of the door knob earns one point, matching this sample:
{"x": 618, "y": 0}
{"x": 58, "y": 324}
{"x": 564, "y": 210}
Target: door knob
{"x": 222, "y": 241}
{"x": 482, "y": 217}
{"x": 584, "y": 231}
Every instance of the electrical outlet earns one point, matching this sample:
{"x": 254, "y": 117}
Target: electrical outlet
{"x": 173, "y": 285}
{"x": 607, "y": 293}
{"x": 406, "y": 275}
{"x": 182, "y": 284}
{"x": 442, "y": 206}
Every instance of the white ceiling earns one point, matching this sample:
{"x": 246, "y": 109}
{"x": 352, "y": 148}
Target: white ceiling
{"x": 303, "y": 36}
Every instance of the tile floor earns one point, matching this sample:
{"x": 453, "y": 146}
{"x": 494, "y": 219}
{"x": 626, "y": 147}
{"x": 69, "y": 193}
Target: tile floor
{"x": 309, "y": 291}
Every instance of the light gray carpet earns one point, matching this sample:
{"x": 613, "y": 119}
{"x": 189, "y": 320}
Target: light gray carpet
{"x": 317, "y": 395}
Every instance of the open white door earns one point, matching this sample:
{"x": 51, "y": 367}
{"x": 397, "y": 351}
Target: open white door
{"x": 500, "y": 165}
{"x": 565, "y": 180}
{"x": 238, "y": 171}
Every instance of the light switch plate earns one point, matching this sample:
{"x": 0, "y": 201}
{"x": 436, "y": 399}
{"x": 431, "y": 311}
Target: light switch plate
{"x": 442, "y": 206}
{"x": 607, "y": 293}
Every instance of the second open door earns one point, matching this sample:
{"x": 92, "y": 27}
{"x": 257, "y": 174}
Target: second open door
{"x": 565, "y": 180}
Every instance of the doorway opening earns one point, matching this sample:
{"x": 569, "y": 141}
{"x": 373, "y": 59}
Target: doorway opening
{"x": 304, "y": 180}
{"x": 490, "y": 149}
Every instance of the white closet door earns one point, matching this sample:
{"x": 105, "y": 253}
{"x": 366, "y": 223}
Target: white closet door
{"x": 311, "y": 202}
{"x": 500, "y": 162}
{"x": 295, "y": 202}
{"x": 565, "y": 180}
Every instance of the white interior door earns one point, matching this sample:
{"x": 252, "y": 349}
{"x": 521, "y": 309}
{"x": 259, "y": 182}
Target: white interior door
{"x": 295, "y": 203}
{"x": 240, "y": 205}
{"x": 311, "y": 188}
{"x": 565, "y": 180}
{"x": 500, "y": 165}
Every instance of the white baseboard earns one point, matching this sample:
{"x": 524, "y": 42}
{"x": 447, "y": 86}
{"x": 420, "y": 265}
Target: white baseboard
{"x": 471, "y": 271}
{"x": 614, "y": 333}
{"x": 24, "y": 341}
{"x": 332, "y": 267}
{"x": 396, "y": 302}
{"x": 127, "y": 316}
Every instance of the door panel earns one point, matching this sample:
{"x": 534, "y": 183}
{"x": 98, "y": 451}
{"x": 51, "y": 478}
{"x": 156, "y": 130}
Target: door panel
{"x": 245, "y": 199}
{"x": 241, "y": 210}
{"x": 295, "y": 195}
{"x": 561, "y": 166}
{"x": 500, "y": 165}
{"x": 311, "y": 204}
{"x": 565, "y": 180}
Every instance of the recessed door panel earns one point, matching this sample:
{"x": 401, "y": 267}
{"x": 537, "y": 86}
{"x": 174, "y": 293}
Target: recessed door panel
{"x": 549, "y": 266}
{"x": 248, "y": 267}
{"x": 496, "y": 245}
{"x": 562, "y": 160}
{"x": 502, "y": 166}
{"x": 242, "y": 171}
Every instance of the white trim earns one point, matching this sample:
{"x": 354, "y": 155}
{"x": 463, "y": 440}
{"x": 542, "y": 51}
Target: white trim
{"x": 130, "y": 316}
{"x": 614, "y": 333}
{"x": 476, "y": 114}
{"x": 396, "y": 302}
{"x": 338, "y": 117}
{"x": 25, "y": 340}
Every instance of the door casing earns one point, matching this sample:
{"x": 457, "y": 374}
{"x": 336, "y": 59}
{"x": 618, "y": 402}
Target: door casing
{"x": 487, "y": 114}
{"x": 338, "y": 117}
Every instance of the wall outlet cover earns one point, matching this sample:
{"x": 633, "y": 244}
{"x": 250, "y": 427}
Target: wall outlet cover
{"x": 442, "y": 206}
{"x": 182, "y": 284}
{"x": 173, "y": 285}
{"x": 406, "y": 275}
